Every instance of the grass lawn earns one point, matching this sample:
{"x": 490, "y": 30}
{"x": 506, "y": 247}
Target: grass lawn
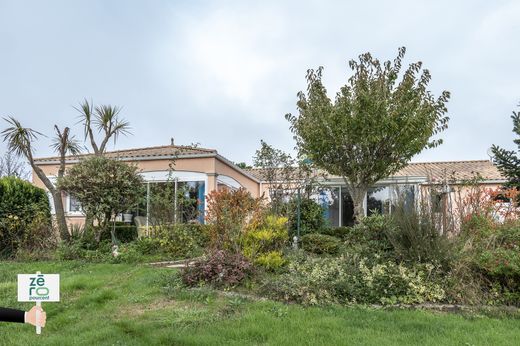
{"x": 119, "y": 304}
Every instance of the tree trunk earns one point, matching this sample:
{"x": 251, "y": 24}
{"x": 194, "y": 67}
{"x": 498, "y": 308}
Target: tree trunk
{"x": 56, "y": 196}
{"x": 358, "y": 194}
{"x": 60, "y": 215}
{"x": 113, "y": 232}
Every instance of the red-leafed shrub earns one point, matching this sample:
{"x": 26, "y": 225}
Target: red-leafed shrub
{"x": 228, "y": 213}
{"x": 218, "y": 268}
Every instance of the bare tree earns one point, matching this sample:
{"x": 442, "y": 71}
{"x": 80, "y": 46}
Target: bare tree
{"x": 11, "y": 166}
{"x": 283, "y": 174}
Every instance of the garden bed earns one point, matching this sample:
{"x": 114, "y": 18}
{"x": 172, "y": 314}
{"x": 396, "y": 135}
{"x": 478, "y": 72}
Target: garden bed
{"x": 107, "y": 304}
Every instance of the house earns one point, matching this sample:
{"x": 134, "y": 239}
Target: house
{"x": 199, "y": 171}
{"x": 417, "y": 180}
{"x": 195, "y": 170}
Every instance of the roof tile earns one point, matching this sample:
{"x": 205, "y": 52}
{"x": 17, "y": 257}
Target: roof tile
{"x": 437, "y": 171}
{"x": 160, "y": 151}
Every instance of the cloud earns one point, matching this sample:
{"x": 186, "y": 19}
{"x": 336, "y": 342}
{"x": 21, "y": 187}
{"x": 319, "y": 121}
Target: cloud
{"x": 225, "y": 73}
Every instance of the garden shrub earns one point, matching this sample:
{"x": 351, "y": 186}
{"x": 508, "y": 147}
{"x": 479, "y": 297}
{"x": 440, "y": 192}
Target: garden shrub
{"x": 369, "y": 238}
{"x": 320, "y": 243}
{"x": 129, "y": 253}
{"x": 338, "y": 232}
{"x": 271, "y": 260}
{"x": 264, "y": 240}
{"x": 227, "y": 214}
{"x": 39, "y": 236}
{"x": 495, "y": 254}
{"x": 344, "y": 280}
{"x": 477, "y": 227}
{"x": 415, "y": 236}
{"x": 75, "y": 250}
{"x": 218, "y": 268}
{"x": 148, "y": 246}
{"x": 182, "y": 240}
{"x": 311, "y": 216}
{"x": 24, "y": 215}
{"x": 124, "y": 233}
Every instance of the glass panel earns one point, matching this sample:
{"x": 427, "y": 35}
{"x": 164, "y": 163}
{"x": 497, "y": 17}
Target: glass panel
{"x": 347, "y": 206}
{"x": 162, "y": 203}
{"x": 74, "y": 205}
{"x": 329, "y": 199}
{"x": 190, "y": 201}
{"x": 140, "y": 210}
{"x": 404, "y": 196}
{"x": 378, "y": 201}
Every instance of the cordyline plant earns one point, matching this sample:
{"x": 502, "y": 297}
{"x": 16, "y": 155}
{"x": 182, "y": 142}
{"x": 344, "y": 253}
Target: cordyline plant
{"x": 378, "y": 121}
{"x": 20, "y": 141}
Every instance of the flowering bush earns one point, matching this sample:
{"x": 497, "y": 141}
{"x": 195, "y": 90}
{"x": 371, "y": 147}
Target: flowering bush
{"x": 218, "y": 268}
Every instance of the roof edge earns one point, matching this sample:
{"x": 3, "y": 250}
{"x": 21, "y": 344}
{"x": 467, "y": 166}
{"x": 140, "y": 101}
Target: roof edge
{"x": 236, "y": 168}
{"x": 115, "y": 152}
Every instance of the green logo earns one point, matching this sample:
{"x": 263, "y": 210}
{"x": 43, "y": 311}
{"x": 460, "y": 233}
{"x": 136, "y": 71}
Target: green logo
{"x": 37, "y": 286}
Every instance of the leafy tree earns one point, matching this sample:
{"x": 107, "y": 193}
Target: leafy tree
{"x": 508, "y": 161}
{"x": 282, "y": 174}
{"x": 20, "y": 142}
{"x": 242, "y": 165}
{"x": 311, "y": 216}
{"x": 104, "y": 187}
{"x": 375, "y": 125}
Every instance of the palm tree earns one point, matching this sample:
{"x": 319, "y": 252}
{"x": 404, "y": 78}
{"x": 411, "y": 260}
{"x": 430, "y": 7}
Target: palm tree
{"x": 106, "y": 119}
{"x": 19, "y": 141}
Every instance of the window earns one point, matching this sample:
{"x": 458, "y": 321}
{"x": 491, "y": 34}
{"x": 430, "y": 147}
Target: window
{"x": 436, "y": 201}
{"x": 167, "y": 207}
{"x": 378, "y": 200}
{"x": 74, "y": 205}
{"x": 403, "y": 196}
{"x": 347, "y": 206}
{"x": 328, "y": 198}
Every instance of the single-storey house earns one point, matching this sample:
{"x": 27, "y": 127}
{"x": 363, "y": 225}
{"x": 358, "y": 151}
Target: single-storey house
{"x": 200, "y": 171}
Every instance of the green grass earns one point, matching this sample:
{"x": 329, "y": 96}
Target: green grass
{"x": 119, "y": 304}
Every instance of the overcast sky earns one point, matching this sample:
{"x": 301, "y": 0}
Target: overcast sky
{"x": 224, "y": 73}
